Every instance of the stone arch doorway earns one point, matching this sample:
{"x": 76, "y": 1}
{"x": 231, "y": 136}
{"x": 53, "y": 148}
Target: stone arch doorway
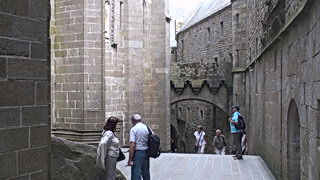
{"x": 293, "y": 145}
{"x": 187, "y": 114}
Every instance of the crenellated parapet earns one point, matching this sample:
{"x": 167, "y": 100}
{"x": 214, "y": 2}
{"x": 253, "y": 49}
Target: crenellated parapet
{"x": 198, "y": 84}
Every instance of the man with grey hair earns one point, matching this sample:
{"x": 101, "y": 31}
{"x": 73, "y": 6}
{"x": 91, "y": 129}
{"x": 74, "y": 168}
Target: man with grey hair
{"x": 138, "y": 157}
{"x": 219, "y": 143}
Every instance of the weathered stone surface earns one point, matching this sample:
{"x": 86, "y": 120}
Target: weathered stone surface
{"x": 3, "y": 68}
{"x": 14, "y": 139}
{"x": 35, "y": 116}
{"x": 111, "y": 76}
{"x": 9, "y": 118}
{"x": 8, "y": 165}
{"x": 32, "y": 160}
{"x": 26, "y": 69}
{"x": 23, "y": 94}
{"x": 38, "y": 137}
{"x": 14, "y": 47}
{"x": 71, "y": 161}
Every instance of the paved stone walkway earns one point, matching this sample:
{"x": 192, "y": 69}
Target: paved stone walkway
{"x": 172, "y": 166}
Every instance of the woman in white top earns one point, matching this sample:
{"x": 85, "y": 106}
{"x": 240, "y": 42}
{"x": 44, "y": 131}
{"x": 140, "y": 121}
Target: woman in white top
{"x": 200, "y": 141}
{"x": 108, "y": 149}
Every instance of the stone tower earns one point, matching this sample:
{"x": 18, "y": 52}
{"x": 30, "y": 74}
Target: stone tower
{"x": 109, "y": 58}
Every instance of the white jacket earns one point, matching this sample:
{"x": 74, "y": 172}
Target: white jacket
{"x": 109, "y": 145}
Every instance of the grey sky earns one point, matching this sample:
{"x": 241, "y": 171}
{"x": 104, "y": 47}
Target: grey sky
{"x": 182, "y": 8}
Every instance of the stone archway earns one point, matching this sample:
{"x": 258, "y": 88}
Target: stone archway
{"x": 293, "y": 145}
{"x": 188, "y": 113}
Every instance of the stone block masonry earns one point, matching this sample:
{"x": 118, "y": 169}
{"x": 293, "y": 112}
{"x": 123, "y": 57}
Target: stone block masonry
{"x": 281, "y": 87}
{"x": 110, "y": 58}
{"x": 24, "y": 90}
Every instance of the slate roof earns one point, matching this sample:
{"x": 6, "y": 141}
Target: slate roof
{"x": 207, "y": 8}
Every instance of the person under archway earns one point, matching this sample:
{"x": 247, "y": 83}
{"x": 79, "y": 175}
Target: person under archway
{"x": 200, "y": 142}
{"x": 219, "y": 143}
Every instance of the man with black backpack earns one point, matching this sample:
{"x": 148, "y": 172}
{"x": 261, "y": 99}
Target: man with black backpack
{"x": 138, "y": 156}
{"x": 144, "y": 143}
{"x": 237, "y": 126}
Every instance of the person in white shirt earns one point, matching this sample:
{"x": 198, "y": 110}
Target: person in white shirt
{"x": 244, "y": 141}
{"x": 200, "y": 142}
{"x": 108, "y": 149}
{"x": 138, "y": 157}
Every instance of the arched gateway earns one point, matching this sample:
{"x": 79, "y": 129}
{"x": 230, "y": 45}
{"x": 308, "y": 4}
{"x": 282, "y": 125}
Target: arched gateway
{"x": 187, "y": 114}
{"x": 293, "y": 146}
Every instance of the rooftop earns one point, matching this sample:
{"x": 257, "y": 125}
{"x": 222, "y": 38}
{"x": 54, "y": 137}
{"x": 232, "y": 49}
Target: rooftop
{"x": 207, "y": 8}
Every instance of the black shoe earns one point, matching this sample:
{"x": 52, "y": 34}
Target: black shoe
{"x": 237, "y": 158}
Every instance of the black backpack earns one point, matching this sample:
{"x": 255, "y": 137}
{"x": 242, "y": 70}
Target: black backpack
{"x": 241, "y": 123}
{"x": 154, "y": 150}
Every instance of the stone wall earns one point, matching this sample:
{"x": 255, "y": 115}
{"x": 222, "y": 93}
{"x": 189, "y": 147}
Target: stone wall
{"x": 121, "y": 51}
{"x": 282, "y": 97}
{"x": 205, "y": 50}
{"x": 24, "y": 84}
{"x": 201, "y": 79}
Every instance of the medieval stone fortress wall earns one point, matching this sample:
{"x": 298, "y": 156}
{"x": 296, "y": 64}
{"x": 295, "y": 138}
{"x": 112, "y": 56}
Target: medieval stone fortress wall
{"x": 274, "y": 51}
{"x": 67, "y": 65}
{"x": 24, "y": 90}
{"x": 109, "y": 58}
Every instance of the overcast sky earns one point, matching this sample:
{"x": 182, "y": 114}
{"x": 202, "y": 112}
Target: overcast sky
{"x": 182, "y": 8}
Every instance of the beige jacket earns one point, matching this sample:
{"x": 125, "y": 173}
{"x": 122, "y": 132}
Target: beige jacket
{"x": 109, "y": 145}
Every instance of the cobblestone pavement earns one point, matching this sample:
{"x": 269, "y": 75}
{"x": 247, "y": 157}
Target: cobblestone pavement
{"x": 172, "y": 166}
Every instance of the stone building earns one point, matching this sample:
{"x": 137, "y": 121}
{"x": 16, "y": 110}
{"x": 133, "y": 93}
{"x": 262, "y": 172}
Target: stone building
{"x": 201, "y": 75}
{"x": 275, "y": 47}
{"x": 109, "y": 58}
{"x": 281, "y": 75}
{"x": 24, "y": 90}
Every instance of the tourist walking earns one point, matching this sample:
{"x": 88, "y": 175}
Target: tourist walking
{"x": 219, "y": 143}
{"x": 108, "y": 149}
{"x": 236, "y": 133}
{"x": 138, "y": 157}
{"x": 200, "y": 142}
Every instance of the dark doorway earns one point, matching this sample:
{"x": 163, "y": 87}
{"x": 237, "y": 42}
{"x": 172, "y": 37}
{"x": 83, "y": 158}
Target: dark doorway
{"x": 293, "y": 153}
{"x": 174, "y": 139}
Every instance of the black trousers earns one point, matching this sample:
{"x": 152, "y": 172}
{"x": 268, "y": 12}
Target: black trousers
{"x": 237, "y": 142}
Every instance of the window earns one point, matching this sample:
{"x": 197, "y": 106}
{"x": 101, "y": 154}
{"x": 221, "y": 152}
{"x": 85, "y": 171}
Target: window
{"x": 121, "y": 15}
{"x": 107, "y": 19}
{"x": 238, "y": 58}
{"x": 182, "y": 46}
{"x": 221, "y": 26}
{"x": 275, "y": 60}
{"x": 231, "y": 57}
{"x": 209, "y": 33}
{"x": 216, "y": 62}
{"x": 237, "y": 20}
{"x": 201, "y": 115}
{"x": 144, "y": 22}
{"x": 257, "y": 46}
